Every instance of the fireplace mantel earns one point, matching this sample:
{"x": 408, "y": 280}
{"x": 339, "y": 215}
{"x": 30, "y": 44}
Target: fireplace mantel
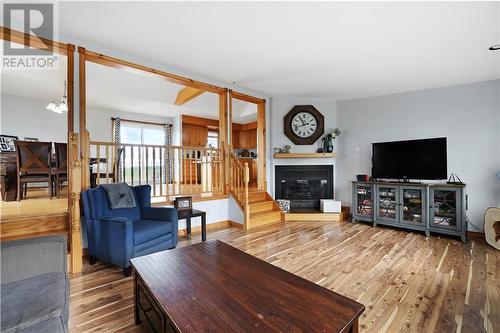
{"x": 304, "y": 155}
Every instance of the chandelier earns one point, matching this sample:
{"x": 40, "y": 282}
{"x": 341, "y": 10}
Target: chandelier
{"x": 59, "y": 107}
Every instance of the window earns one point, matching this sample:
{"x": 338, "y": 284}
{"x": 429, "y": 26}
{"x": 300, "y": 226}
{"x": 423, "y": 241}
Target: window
{"x": 213, "y": 139}
{"x": 142, "y": 133}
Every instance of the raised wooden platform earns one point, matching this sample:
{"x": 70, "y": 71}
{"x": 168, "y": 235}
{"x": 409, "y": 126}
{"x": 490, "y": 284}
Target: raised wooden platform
{"x": 318, "y": 216}
{"x": 35, "y": 216}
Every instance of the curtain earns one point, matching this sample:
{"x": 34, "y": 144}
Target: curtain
{"x": 168, "y": 155}
{"x": 117, "y": 139}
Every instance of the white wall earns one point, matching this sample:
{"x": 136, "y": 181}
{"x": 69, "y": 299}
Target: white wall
{"x": 468, "y": 115}
{"x": 235, "y": 212}
{"x": 279, "y": 107}
{"x": 27, "y": 117}
{"x": 99, "y": 121}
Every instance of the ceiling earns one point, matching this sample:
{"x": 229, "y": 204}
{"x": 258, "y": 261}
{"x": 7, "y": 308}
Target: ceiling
{"x": 337, "y": 50}
{"x": 116, "y": 89}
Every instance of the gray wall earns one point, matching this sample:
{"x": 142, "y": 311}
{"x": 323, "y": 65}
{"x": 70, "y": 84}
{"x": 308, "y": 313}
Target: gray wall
{"x": 27, "y": 117}
{"x": 468, "y": 115}
{"x": 280, "y": 106}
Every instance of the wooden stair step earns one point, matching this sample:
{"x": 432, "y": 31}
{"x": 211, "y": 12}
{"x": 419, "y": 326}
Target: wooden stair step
{"x": 256, "y": 196}
{"x": 265, "y": 217}
{"x": 261, "y": 206}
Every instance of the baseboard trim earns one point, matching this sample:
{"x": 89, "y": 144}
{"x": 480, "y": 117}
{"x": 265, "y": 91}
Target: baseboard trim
{"x": 475, "y": 235}
{"x": 211, "y": 226}
{"x": 235, "y": 224}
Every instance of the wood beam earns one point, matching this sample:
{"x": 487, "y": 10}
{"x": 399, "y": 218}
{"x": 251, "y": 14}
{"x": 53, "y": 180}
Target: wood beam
{"x": 186, "y": 94}
{"x": 140, "y": 69}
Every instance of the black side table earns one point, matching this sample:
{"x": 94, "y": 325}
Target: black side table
{"x": 188, "y": 214}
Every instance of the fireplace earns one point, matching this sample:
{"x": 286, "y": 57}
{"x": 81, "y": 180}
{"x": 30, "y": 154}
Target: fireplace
{"x": 304, "y": 185}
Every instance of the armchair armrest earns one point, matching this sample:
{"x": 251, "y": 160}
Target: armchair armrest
{"x": 160, "y": 213}
{"x": 117, "y": 237}
{"x": 26, "y": 258}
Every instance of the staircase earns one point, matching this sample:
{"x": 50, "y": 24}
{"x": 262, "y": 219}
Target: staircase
{"x": 258, "y": 206}
{"x": 263, "y": 210}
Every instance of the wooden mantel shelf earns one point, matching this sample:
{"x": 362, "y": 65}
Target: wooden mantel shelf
{"x": 304, "y": 155}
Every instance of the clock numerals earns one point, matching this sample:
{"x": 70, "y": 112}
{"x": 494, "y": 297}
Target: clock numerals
{"x": 304, "y": 124}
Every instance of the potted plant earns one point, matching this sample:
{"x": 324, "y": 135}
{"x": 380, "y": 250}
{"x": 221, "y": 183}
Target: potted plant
{"x": 328, "y": 140}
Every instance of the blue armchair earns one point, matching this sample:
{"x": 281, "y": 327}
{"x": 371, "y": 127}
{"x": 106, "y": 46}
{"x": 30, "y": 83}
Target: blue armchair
{"x": 117, "y": 235}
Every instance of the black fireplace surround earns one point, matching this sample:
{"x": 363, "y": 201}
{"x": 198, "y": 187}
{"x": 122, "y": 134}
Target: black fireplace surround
{"x": 304, "y": 185}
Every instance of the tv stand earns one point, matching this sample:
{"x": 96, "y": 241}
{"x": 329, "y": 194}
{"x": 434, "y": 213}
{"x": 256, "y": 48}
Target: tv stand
{"x": 438, "y": 208}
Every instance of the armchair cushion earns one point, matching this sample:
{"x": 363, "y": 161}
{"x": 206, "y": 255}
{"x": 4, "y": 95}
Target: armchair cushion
{"x": 145, "y": 230}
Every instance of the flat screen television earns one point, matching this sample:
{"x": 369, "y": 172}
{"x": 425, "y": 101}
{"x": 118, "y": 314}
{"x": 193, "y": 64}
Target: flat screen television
{"x": 412, "y": 159}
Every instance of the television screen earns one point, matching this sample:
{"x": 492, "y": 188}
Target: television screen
{"x": 413, "y": 159}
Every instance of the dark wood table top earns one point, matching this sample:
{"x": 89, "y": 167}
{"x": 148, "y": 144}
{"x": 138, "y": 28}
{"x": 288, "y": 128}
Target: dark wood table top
{"x": 214, "y": 287}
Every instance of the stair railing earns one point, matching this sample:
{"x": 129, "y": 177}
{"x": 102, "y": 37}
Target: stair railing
{"x": 238, "y": 185}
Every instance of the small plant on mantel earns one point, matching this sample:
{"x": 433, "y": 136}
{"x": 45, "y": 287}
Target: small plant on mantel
{"x": 328, "y": 140}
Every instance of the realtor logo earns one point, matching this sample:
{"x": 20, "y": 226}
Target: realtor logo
{"x": 36, "y": 20}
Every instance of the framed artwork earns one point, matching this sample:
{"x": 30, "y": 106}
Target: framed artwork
{"x": 183, "y": 203}
{"x": 7, "y": 142}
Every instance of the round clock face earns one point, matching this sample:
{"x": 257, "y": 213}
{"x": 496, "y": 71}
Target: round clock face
{"x": 304, "y": 124}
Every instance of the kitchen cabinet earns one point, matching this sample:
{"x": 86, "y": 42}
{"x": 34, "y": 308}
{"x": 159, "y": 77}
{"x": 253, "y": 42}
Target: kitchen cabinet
{"x": 245, "y": 139}
{"x": 194, "y": 136}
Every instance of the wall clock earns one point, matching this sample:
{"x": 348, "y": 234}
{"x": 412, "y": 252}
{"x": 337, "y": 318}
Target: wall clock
{"x": 304, "y": 125}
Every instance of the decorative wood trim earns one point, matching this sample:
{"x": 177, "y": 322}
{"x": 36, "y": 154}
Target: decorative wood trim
{"x": 261, "y": 146}
{"x": 186, "y": 94}
{"x": 76, "y": 264}
{"x": 235, "y": 224}
{"x": 210, "y": 226}
{"x": 40, "y": 43}
{"x": 199, "y": 121}
{"x": 140, "y": 69}
{"x": 247, "y": 98}
{"x": 224, "y": 140}
{"x": 304, "y": 155}
{"x": 475, "y": 235}
{"x": 249, "y": 126}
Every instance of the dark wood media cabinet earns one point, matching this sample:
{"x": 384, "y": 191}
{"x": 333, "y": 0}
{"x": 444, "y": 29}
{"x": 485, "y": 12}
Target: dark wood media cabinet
{"x": 438, "y": 208}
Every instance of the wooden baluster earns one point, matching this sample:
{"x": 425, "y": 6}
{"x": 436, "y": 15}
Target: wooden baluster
{"x": 191, "y": 160}
{"x": 246, "y": 204}
{"x": 107, "y": 163}
{"x": 154, "y": 171}
{"x": 98, "y": 152}
{"x": 178, "y": 189}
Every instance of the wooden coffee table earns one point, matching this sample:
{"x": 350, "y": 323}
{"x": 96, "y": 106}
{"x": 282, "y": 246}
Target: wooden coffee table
{"x": 214, "y": 287}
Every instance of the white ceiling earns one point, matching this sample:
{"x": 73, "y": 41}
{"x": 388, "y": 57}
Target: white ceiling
{"x": 116, "y": 89}
{"x": 333, "y": 50}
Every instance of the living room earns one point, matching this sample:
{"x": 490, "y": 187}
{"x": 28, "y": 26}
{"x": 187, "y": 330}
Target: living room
{"x": 344, "y": 155}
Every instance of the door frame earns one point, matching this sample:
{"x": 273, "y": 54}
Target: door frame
{"x": 110, "y": 61}
{"x": 67, "y": 50}
{"x": 261, "y": 133}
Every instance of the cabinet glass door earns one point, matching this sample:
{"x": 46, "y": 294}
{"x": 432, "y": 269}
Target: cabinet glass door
{"x": 444, "y": 208}
{"x": 364, "y": 200}
{"x": 387, "y": 199}
{"x": 413, "y": 205}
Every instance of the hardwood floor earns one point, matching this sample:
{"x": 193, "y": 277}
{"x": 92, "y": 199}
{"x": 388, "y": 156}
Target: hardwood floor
{"x": 408, "y": 283}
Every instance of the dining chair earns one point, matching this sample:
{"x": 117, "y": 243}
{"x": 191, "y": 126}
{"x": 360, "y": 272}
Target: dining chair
{"x": 60, "y": 171}
{"x": 33, "y": 160}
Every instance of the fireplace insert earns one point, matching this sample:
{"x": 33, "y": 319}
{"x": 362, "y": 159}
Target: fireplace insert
{"x": 304, "y": 185}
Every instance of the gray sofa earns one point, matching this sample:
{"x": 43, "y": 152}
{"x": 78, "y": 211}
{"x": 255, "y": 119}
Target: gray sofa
{"x": 34, "y": 285}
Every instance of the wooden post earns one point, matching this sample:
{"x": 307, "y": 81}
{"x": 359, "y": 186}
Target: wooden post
{"x": 75, "y": 240}
{"x": 223, "y": 140}
{"x": 246, "y": 179}
{"x": 261, "y": 146}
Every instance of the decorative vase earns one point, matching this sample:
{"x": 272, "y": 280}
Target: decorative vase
{"x": 328, "y": 144}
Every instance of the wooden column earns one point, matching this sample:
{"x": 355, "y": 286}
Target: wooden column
{"x": 223, "y": 140}
{"x": 84, "y": 134}
{"x": 246, "y": 204}
{"x": 75, "y": 239}
{"x": 261, "y": 146}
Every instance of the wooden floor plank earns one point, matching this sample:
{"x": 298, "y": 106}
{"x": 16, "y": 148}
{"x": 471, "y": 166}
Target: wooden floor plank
{"x": 407, "y": 281}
